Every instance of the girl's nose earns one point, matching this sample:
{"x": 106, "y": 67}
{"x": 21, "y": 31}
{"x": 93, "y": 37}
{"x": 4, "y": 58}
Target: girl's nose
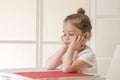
{"x": 67, "y": 38}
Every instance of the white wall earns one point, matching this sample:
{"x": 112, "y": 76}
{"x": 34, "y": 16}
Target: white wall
{"x": 17, "y": 33}
{"x": 17, "y": 19}
{"x": 107, "y": 32}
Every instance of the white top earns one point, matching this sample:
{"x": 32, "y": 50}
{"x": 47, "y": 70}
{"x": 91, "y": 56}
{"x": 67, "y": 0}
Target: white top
{"x": 88, "y": 56}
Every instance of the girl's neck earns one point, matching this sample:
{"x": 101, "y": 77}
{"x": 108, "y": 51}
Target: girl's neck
{"x": 83, "y": 47}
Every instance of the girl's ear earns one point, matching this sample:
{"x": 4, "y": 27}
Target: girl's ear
{"x": 86, "y": 36}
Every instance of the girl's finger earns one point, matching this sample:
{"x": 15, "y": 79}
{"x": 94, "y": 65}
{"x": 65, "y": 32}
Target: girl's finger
{"x": 78, "y": 39}
{"x": 81, "y": 38}
{"x": 75, "y": 38}
{"x": 83, "y": 42}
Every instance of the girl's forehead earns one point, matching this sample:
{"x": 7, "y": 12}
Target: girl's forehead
{"x": 69, "y": 27}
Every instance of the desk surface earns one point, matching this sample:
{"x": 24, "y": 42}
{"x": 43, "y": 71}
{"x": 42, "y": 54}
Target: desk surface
{"x": 9, "y": 73}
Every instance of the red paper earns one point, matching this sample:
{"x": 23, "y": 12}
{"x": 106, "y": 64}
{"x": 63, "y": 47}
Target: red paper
{"x": 50, "y": 74}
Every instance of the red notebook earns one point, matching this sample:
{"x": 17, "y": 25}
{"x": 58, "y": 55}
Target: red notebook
{"x": 50, "y": 74}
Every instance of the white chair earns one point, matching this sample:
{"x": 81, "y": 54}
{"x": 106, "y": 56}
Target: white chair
{"x": 114, "y": 70}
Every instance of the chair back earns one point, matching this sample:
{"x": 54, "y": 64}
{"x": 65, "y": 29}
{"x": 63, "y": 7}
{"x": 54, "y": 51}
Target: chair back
{"x": 114, "y": 70}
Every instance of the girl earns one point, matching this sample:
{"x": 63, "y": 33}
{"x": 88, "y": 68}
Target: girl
{"x": 74, "y": 55}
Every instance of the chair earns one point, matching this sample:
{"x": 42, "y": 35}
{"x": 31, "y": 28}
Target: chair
{"x": 114, "y": 70}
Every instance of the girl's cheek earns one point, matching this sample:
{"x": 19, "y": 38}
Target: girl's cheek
{"x": 72, "y": 38}
{"x": 64, "y": 40}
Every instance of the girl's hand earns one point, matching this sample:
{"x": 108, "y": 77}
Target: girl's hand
{"x": 78, "y": 43}
{"x": 64, "y": 44}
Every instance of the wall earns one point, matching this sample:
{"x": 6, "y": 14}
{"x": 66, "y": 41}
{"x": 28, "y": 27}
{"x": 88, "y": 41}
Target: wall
{"x": 17, "y": 33}
{"x": 107, "y": 32}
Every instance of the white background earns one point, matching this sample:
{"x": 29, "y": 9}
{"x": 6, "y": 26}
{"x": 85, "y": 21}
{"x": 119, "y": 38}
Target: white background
{"x": 30, "y": 30}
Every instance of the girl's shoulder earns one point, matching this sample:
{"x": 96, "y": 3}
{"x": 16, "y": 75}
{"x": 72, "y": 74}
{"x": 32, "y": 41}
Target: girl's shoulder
{"x": 87, "y": 51}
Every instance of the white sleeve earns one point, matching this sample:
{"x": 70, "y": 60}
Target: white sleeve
{"x": 88, "y": 58}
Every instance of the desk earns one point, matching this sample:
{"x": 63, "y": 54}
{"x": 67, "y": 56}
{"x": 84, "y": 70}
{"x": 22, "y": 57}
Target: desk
{"x": 9, "y": 74}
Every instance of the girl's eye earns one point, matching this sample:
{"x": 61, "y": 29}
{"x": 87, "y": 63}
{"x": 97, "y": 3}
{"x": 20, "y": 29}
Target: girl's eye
{"x": 71, "y": 34}
{"x": 64, "y": 34}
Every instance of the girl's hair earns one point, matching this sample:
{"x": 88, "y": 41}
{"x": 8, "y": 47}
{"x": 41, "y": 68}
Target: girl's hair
{"x": 80, "y": 20}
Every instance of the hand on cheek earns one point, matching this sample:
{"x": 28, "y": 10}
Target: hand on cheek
{"x": 78, "y": 43}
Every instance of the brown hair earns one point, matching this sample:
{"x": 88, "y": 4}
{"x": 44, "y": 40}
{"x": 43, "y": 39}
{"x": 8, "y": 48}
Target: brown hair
{"x": 80, "y": 20}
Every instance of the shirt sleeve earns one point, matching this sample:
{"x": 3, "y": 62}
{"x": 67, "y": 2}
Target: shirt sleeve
{"x": 88, "y": 58}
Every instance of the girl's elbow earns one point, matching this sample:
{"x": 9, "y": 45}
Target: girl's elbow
{"x": 69, "y": 69}
{"x": 48, "y": 68}
{"x": 66, "y": 70}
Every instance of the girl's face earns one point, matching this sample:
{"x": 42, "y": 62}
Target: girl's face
{"x": 69, "y": 33}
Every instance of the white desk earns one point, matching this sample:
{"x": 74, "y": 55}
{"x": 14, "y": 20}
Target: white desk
{"x": 7, "y": 74}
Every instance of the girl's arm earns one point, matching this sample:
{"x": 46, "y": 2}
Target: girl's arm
{"x": 73, "y": 66}
{"x": 55, "y": 60}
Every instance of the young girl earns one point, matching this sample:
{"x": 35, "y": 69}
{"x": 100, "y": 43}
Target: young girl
{"x": 74, "y": 55}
